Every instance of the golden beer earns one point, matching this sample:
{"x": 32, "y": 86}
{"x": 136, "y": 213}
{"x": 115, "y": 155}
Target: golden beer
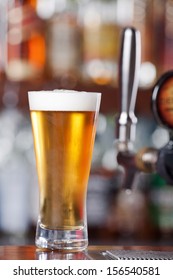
{"x": 63, "y": 146}
{"x": 64, "y": 127}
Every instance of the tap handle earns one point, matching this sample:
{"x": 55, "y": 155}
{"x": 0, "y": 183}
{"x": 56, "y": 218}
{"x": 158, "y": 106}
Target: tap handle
{"x": 129, "y": 67}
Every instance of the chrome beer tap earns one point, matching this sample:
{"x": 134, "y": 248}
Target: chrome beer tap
{"x": 129, "y": 66}
{"x": 160, "y": 160}
{"x": 147, "y": 159}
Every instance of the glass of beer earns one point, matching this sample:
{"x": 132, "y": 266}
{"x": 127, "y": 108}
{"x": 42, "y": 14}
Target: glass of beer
{"x": 64, "y": 127}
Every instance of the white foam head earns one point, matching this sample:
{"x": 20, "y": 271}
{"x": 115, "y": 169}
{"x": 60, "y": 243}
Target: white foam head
{"x": 64, "y": 100}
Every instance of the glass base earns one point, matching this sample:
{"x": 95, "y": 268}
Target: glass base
{"x": 68, "y": 240}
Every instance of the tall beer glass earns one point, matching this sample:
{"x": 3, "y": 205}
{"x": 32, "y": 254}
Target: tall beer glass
{"x": 64, "y": 126}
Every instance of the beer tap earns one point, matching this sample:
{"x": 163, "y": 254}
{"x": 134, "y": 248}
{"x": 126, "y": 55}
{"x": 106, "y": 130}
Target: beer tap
{"x": 147, "y": 159}
{"x": 160, "y": 160}
{"x": 129, "y": 66}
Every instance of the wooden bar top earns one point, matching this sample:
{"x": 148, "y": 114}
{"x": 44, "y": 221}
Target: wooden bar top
{"x": 93, "y": 252}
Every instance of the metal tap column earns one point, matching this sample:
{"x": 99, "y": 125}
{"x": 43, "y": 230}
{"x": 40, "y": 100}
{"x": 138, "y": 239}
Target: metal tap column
{"x": 129, "y": 67}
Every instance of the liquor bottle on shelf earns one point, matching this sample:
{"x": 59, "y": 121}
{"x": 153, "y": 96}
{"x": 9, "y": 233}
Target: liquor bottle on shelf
{"x": 157, "y": 21}
{"x": 18, "y": 182}
{"x": 63, "y": 43}
{"x": 100, "y": 41}
{"x": 3, "y": 27}
{"x": 25, "y": 42}
{"x": 168, "y": 36}
{"x": 143, "y": 13}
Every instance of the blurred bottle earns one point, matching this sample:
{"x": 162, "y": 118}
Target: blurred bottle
{"x": 3, "y": 28}
{"x": 129, "y": 216}
{"x": 161, "y": 207}
{"x": 154, "y": 20}
{"x": 25, "y": 45}
{"x": 158, "y": 25}
{"x": 100, "y": 41}
{"x": 63, "y": 42}
{"x": 168, "y": 36}
{"x": 143, "y": 11}
{"x": 18, "y": 181}
{"x": 14, "y": 173}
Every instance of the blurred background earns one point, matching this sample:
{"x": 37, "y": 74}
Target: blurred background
{"x": 72, "y": 44}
